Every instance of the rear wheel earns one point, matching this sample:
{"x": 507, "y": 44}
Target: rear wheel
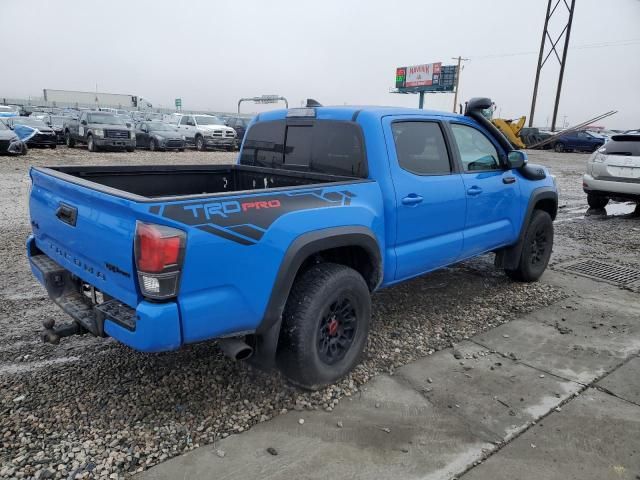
{"x": 70, "y": 142}
{"x": 597, "y": 201}
{"x": 559, "y": 147}
{"x": 53, "y": 147}
{"x": 153, "y": 146}
{"x": 536, "y": 248}
{"x": 324, "y": 326}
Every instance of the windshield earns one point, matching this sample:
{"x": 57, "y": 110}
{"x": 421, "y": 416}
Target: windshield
{"x": 105, "y": 118}
{"x": 202, "y": 120}
{"x": 162, "y": 127}
{"x": 58, "y": 120}
{"x": 30, "y": 122}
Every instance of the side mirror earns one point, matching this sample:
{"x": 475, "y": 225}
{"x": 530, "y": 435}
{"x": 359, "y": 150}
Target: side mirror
{"x": 516, "y": 159}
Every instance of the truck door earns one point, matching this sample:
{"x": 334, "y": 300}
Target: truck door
{"x": 430, "y": 198}
{"x": 492, "y": 191}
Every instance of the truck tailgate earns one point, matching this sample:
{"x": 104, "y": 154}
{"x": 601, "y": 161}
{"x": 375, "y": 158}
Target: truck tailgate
{"x": 87, "y": 232}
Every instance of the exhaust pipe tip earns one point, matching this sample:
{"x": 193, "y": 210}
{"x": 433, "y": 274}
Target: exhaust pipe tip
{"x": 235, "y": 348}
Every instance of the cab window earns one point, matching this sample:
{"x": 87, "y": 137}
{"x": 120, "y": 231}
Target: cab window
{"x": 477, "y": 153}
{"x": 420, "y": 148}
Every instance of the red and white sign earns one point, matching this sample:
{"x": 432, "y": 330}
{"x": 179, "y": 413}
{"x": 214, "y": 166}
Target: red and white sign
{"x": 422, "y": 75}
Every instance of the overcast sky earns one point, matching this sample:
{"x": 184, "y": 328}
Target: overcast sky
{"x": 211, "y": 53}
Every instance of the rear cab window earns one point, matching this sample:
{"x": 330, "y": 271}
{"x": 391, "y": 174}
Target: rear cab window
{"x": 325, "y": 146}
{"x": 421, "y": 148}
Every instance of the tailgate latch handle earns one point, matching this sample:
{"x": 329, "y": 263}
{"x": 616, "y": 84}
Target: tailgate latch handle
{"x": 67, "y": 214}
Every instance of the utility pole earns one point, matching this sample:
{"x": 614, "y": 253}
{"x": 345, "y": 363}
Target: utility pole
{"x": 566, "y": 32}
{"x": 458, "y": 72}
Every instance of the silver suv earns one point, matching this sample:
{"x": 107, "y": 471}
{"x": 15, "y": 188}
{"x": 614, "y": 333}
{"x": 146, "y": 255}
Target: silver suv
{"x": 613, "y": 171}
{"x": 205, "y": 131}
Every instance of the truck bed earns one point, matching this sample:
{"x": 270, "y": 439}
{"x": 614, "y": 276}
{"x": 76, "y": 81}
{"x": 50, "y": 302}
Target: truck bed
{"x": 165, "y": 182}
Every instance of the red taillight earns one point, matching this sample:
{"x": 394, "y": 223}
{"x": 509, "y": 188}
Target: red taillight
{"x": 159, "y": 251}
{"x": 155, "y": 250}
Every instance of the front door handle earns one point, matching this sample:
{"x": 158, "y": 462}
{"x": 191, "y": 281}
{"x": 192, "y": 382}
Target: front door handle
{"x": 412, "y": 199}
{"x": 508, "y": 180}
{"x": 475, "y": 190}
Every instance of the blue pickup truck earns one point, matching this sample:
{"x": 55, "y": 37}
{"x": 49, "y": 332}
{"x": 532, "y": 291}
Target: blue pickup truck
{"x": 277, "y": 256}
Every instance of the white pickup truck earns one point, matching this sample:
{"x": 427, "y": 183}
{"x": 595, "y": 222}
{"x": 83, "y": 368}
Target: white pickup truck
{"x": 206, "y": 131}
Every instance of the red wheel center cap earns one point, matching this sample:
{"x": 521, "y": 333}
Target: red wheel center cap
{"x": 332, "y": 326}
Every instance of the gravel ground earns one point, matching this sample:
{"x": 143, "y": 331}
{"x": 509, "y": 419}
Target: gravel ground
{"x": 93, "y": 408}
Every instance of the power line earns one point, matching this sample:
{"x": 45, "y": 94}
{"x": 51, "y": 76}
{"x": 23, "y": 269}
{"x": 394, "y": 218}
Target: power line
{"x": 621, "y": 43}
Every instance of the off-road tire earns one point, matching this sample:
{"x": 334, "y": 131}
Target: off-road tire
{"x": 70, "y": 142}
{"x": 536, "y": 248}
{"x": 200, "y": 145}
{"x": 597, "y": 201}
{"x": 320, "y": 295}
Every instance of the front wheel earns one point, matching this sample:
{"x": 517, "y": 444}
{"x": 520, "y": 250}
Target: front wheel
{"x": 153, "y": 146}
{"x": 200, "y": 143}
{"x": 536, "y": 248}
{"x": 597, "y": 201}
{"x": 69, "y": 141}
{"x": 53, "y": 147}
{"x": 91, "y": 145}
{"x": 324, "y": 326}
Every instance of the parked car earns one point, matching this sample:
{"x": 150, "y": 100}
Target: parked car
{"x": 206, "y": 131}
{"x": 159, "y": 136}
{"x": 44, "y": 135}
{"x": 240, "y": 125}
{"x": 9, "y": 111}
{"x": 99, "y": 130}
{"x": 613, "y": 172}
{"x": 10, "y": 144}
{"x": 277, "y": 255}
{"x": 56, "y": 123}
{"x": 578, "y": 141}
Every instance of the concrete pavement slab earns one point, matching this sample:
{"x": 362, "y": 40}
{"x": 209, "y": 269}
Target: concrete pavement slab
{"x": 625, "y": 382}
{"x": 496, "y": 396}
{"x": 389, "y": 432}
{"x": 594, "y": 437}
{"x": 578, "y": 339}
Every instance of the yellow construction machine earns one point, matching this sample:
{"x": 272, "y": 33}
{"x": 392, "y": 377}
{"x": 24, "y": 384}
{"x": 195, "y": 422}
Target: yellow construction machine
{"x": 511, "y": 129}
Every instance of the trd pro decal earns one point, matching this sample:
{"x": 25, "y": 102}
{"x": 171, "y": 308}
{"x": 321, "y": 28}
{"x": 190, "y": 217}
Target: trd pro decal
{"x": 246, "y": 220}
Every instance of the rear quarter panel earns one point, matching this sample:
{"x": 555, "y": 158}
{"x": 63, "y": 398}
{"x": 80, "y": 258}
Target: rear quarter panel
{"x": 236, "y": 243}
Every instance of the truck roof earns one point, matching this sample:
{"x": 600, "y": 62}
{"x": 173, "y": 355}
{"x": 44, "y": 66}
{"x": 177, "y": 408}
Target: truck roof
{"x": 349, "y": 112}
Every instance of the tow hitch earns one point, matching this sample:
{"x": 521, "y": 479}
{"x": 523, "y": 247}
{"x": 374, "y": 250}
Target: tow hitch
{"x": 52, "y": 335}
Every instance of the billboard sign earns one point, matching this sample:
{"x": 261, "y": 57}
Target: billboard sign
{"x": 429, "y": 77}
{"x": 422, "y": 75}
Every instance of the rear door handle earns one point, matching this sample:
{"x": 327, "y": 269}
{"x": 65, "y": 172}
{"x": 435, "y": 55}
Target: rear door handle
{"x": 473, "y": 191}
{"x": 412, "y": 199}
{"x": 508, "y": 180}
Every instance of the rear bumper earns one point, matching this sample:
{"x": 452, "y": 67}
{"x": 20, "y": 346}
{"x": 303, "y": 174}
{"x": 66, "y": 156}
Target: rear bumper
{"x": 150, "y": 327}
{"x": 615, "y": 188}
